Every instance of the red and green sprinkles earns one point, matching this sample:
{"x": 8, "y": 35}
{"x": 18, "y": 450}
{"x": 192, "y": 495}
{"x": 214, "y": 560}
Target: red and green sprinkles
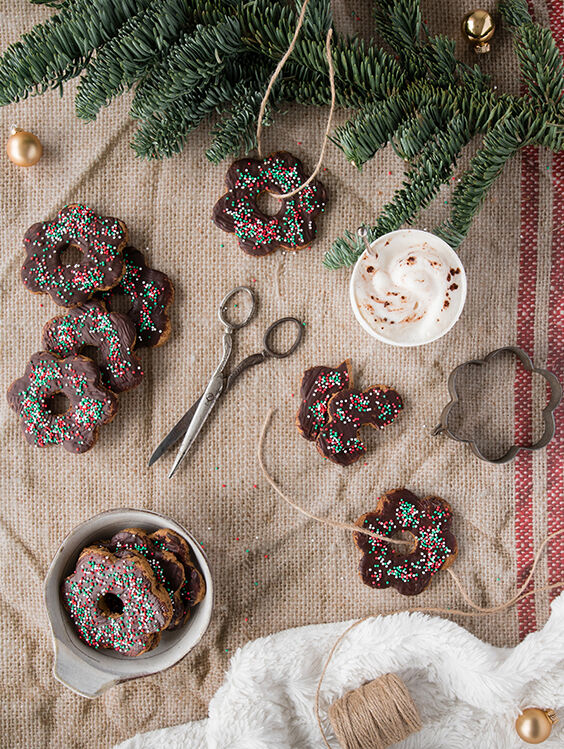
{"x": 90, "y": 404}
{"x": 292, "y": 227}
{"x": 348, "y": 412}
{"x": 113, "y": 335}
{"x": 100, "y": 239}
{"x": 410, "y": 569}
{"x": 318, "y": 385}
{"x": 149, "y": 293}
{"x": 132, "y": 631}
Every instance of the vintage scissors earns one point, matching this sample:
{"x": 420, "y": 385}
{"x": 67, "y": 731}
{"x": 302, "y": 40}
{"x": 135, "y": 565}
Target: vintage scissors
{"x": 194, "y": 419}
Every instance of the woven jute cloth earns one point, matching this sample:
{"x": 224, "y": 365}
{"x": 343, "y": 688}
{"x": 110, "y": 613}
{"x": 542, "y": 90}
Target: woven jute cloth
{"x": 273, "y": 568}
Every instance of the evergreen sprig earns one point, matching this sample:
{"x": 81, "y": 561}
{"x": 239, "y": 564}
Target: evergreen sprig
{"x": 192, "y": 59}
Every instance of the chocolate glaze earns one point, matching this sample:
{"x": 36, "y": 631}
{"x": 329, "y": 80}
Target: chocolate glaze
{"x": 244, "y": 193}
{"x": 112, "y": 333}
{"x": 150, "y": 294}
{"x": 410, "y": 569}
{"x": 100, "y": 239}
{"x": 319, "y": 384}
{"x": 147, "y": 608}
{"x": 91, "y": 404}
{"x": 350, "y": 410}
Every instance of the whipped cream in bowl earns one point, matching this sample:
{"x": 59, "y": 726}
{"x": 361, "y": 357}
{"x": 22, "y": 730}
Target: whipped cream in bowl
{"x": 409, "y": 288}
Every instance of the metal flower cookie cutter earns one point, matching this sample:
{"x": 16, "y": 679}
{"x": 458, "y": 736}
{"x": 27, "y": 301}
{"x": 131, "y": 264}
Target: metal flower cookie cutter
{"x": 547, "y": 412}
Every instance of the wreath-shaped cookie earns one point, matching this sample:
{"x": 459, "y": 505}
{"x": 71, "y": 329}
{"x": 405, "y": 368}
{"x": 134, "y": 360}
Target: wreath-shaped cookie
{"x": 149, "y": 294}
{"x": 427, "y": 521}
{"x": 111, "y": 333}
{"x": 292, "y": 227}
{"x": 100, "y": 239}
{"x": 115, "y": 601}
{"x": 90, "y": 404}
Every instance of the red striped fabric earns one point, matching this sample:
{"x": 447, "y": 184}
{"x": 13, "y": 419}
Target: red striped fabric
{"x": 523, "y": 394}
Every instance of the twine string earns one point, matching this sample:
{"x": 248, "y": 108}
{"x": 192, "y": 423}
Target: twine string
{"x": 268, "y": 91}
{"x": 375, "y": 715}
{"x": 477, "y": 610}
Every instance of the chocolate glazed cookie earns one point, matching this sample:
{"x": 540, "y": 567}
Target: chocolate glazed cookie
{"x": 168, "y": 570}
{"x": 90, "y": 404}
{"x": 115, "y": 601}
{"x": 149, "y": 294}
{"x": 426, "y": 522}
{"x": 292, "y": 227}
{"x": 112, "y": 333}
{"x": 194, "y": 588}
{"x": 100, "y": 239}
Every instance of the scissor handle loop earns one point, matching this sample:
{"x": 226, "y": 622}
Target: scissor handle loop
{"x": 275, "y": 325}
{"x": 222, "y": 312}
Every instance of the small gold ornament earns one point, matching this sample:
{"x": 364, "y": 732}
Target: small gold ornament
{"x": 534, "y": 725}
{"x": 478, "y": 27}
{"x": 23, "y": 148}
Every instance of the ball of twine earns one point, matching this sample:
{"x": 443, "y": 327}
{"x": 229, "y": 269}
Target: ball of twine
{"x": 376, "y": 715}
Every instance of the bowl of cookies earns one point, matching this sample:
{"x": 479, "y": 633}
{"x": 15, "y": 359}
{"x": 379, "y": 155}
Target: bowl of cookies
{"x": 129, "y": 593}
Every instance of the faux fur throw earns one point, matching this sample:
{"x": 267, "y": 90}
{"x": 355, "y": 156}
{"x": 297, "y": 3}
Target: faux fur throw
{"x": 468, "y": 692}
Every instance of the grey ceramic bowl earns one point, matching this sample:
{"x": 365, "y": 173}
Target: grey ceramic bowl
{"x": 89, "y": 671}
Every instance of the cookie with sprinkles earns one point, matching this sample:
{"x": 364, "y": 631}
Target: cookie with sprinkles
{"x": 348, "y": 412}
{"x": 168, "y": 570}
{"x": 194, "y": 588}
{"x": 90, "y": 404}
{"x": 111, "y": 333}
{"x": 100, "y": 239}
{"x": 426, "y": 522}
{"x": 115, "y": 601}
{"x": 318, "y": 385}
{"x": 292, "y": 227}
{"x": 149, "y": 294}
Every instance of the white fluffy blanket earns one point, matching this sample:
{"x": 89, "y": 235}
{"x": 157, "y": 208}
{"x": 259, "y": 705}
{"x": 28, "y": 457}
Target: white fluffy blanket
{"x": 468, "y": 692}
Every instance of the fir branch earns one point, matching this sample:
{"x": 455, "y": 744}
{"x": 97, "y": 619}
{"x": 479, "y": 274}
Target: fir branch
{"x": 59, "y": 48}
{"x": 422, "y": 182}
{"x": 503, "y": 141}
{"x": 195, "y": 58}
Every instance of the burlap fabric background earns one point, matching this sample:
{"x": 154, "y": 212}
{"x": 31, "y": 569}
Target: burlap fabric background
{"x": 273, "y": 568}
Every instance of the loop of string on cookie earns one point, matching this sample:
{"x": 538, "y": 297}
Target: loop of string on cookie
{"x": 476, "y": 609}
{"x": 268, "y": 91}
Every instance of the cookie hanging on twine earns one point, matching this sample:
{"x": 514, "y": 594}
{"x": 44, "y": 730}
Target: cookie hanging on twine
{"x": 281, "y": 175}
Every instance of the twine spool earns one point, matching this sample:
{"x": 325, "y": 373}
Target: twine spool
{"x": 376, "y": 715}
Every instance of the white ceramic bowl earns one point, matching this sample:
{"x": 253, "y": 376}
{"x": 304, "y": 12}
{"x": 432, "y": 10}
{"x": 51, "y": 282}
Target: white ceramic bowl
{"x": 88, "y": 671}
{"x": 449, "y": 254}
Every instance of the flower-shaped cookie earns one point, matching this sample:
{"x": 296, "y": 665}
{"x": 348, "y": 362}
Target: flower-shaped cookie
{"x": 149, "y": 294}
{"x": 408, "y": 569}
{"x": 292, "y": 227}
{"x": 111, "y": 333}
{"x": 115, "y": 601}
{"x": 91, "y": 404}
{"x": 319, "y": 384}
{"x": 100, "y": 239}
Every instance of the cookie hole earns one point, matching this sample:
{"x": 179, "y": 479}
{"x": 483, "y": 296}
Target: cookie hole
{"x": 405, "y": 536}
{"x": 267, "y": 203}
{"x": 93, "y": 353}
{"x": 58, "y": 404}
{"x": 71, "y": 255}
{"x": 110, "y": 605}
{"x": 119, "y": 303}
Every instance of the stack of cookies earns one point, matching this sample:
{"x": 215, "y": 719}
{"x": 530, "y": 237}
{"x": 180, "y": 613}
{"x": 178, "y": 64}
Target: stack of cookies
{"x": 89, "y": 353}
{"x": 127, "y": 590}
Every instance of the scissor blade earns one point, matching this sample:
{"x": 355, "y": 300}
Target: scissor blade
{"x": 175, "y": 433}
{"x": 205, "y": 406}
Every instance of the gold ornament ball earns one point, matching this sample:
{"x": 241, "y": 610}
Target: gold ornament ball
{"x": 478, "y": 27}
{"x": 23, "y": 148}
{"x": 534, "y": 725}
